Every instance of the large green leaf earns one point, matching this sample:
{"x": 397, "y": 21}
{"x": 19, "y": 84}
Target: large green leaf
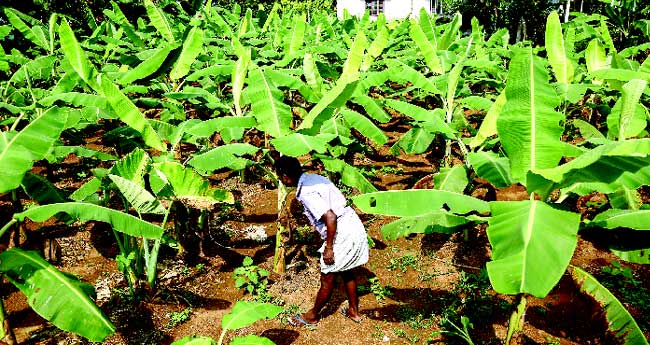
{"x": 141, "y": 200}
{"x": 297, "y": 144}
{"x": 451, "y": 33}
{"x": 76, "y": 56}
{"x": 364, "y": 126}
{"x": 227, "y": 156}
{"x": 418, "y": 202}
{"x": 148, "y": 66}
{"x": 628, "y": 117}
{"x": 595, "y": 56}
{"x": 619, "y": 320}
{"x": 133, "y": 166}
{"x": 633, "y": 219}
{"x": 118, "y": 17}
{"x": 272, "y": 115}
{"x": 238, "y": 77}
{"x": 296, "y": 40}
{"x": 376, "y": 48}
{"x": 191, "y": 49}
{"x": 158, "y": 20}
{"x": 491, "y": 167}
{"x": 605, "y": 168}
{"x": 355, "y": 58}
{"x": 312, "y": 75}
{"x": 488, "y": 126}
{"x": 34, "y": 34}
{"x": 557, "y": 52}
{"x": 120, "y": 221}
{"x": 187, "y": 184}
{"x": 431, "y": 118}
{"x": 532, "y": 244}
{"x": 55, "y": 296}
{"x": 428, "y": 50}
{"x": 334, "y": 98}
{"x": 350, "y": 175}
{"x": 452, "y": 179}
{"x": 130, "y": 114}
{"x": 529, "y": 125}
{"x": 245, "y": 313}
{"x": 433, "y": 222}
{"x": 19, "y": 150}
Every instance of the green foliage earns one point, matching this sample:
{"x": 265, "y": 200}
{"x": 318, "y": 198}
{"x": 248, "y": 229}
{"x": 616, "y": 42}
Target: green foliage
{"x": 403, "y": 263}
{"x": 251, "y": 278}
{"x": 177, "y": 318}
{"x": 375, "y": 287}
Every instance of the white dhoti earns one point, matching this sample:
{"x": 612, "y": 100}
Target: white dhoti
{"x": 350, "y": 244}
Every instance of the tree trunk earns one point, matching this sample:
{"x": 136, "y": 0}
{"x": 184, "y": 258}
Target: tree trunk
{"x": 567, "y": 10}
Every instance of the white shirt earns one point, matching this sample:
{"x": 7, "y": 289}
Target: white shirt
{"x": 319, "y": 195}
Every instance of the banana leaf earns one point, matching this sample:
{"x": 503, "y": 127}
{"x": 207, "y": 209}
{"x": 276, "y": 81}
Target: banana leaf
{"x": 418, "y": 202}
{"x": 76, "y": 56}
{"x": 120, "y": 221}
{"x": 489, "y": 124}
{"x": 528, "y": 125}
{"x": 297, "y": 144}
{"x": 245, "y": 313}
{"x": 54, "y": 295}
{"x": 227, "y": 156}
{"x": 428, "y": 50}
{"x": 532, "y": 244}
{"x": 148, "y": 66}
{"x": 355, "y": 58}
{"x": 130, "y": 114}
{"x": 628, "y": 117}
{"x": 433, "y": 222}
{"x": 267, "y": 106}
{"x": 619, "y": 320}
{"x": 372, "y": 108}
{"x": 159, "y": 21}
{"x": 451, "y": 33}
{"x": 350, "y": 176}
{"x": 557, "y": 51}
{"x": 333, "y": 99}
{"x": 364, "y": 126}
{"x": 191, "y": 49}
{"x": 35, "y": 34}
{"x": 137, "y": 196}
{"x": 491, "y": 167}
{"x": 133, "y": 166}
{"x": 452, "y": 179}
{"x": 19, "y": 150}
{"x": 187, "y": 184}
{"x": 251, "y": 340}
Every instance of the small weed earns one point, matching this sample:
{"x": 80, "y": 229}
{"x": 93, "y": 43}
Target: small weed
{"x": 185, "y": 271}
{"x": 386, "y": 169}
{"x": 303, "y": 234}
{"x": 251, "y": 277}
{"x": 380, "y": 292}
{"x": 402, "y": 334}
{"x": 413, "y": 318}
{"x": 628, "y": 289}
{"x": 176, "y": 318}
{"x": 199, "y": 267}
{"x": 403, "y": 263}
{"x": 552, "y": 341}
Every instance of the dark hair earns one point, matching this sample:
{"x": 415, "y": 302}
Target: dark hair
{"x": 288, "y": 166}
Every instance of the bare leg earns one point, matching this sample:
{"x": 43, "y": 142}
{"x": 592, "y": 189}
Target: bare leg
{"x": 322, "y": 297}
{"x": 350, "y": 282}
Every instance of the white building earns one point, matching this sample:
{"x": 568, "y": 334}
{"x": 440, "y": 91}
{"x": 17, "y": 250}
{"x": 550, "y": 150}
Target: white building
{"x": 392, "y": 9}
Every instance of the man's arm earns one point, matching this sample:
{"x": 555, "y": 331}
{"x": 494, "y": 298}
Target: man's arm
{"x": 329, "y": 218}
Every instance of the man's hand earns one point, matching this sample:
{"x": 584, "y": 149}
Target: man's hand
{"x": 328, "y": 255}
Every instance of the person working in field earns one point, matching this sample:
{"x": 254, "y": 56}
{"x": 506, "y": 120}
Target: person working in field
{"x": 345, "y": 246}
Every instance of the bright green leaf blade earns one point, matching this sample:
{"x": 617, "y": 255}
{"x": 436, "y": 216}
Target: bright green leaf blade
{"x": 158, "y": 20}
{"x": 350, "y": 176}
{"x": 529, "y": 125}
{"x": 141, "y": 200}
{"x": 633, "y": 219}
{"x": 29, "y": 33}
{"x": 532, "y": 244}
{"x": 411, "y": 203}
{"x": 489, "y": 124}
{"x": 297, "y": 144}
{"x": 18, "y": 151}
{"x": 619, "y": 320}
{"x": 451, "y": 33}
{"x": 431, "y": 118}
{"x": 146, "y": 67}
{"x": 452, "y": 179}
{"x": 76, "y": 56}
{"x": 355, "y": 57}
{"x": 364, "y": 126}
{"x": 628, "y": 118}
{"x": 55, "y": 296}
{"x": 227, "y": 156}
{"x": 416, "y": 140}
{"x": 267, "y": 106}
{"x": 191, "y": 49}
{"x": 187, "y": 184}
{"x": 238, "y": 78}
{"x": 245, "y": 313}
{"x": 120, "y": 221}
{"x": 434, "y": 222}
{"x": 427, "y": 49}
{"x": 372, "y": 108}
{"x": 490, "y": 166}
{"x": 334, "y": 98}
{"x": 130, "y": 114}
{"x": 557, "y": 54}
